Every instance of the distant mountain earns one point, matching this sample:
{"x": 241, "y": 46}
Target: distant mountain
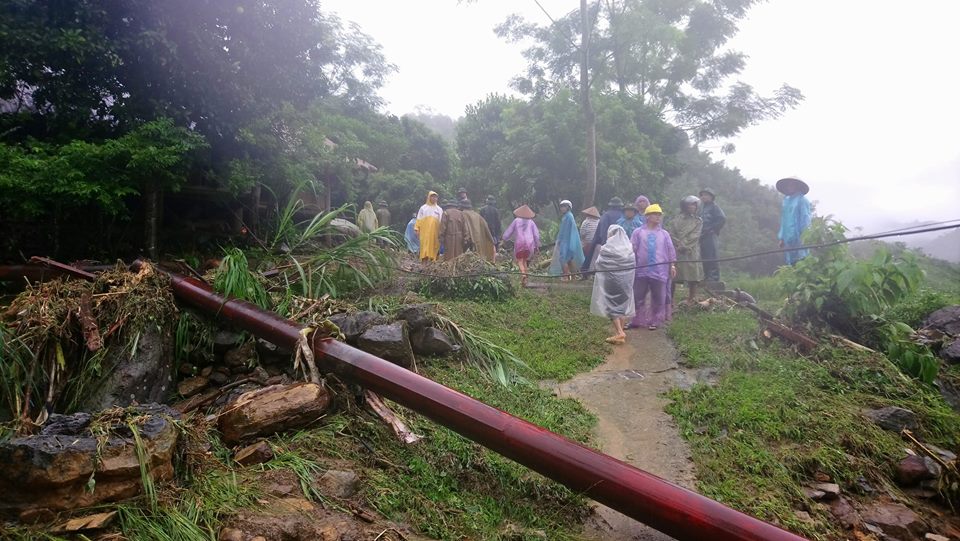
{"x": 946, "y": 246}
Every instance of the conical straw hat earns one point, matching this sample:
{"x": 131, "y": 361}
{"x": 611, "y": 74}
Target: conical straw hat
{"x": 524, "y": 212}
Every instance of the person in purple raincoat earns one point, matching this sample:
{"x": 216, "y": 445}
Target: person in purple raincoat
{"x": 526, "y": 238}
{"x": 655, "y": 255}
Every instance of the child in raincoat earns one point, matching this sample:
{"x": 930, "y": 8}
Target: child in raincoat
{"x": 613, "y": 285}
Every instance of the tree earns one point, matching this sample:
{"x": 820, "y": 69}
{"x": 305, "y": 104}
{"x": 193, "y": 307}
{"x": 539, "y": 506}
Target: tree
{"x": 667, "y": 53}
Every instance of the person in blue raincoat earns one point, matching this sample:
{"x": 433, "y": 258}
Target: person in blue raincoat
{"x": 568, "y": 253}
{"x": 413, "y": 241}
{"x": 631, "y": 220}
{"x": 794, "y": 218}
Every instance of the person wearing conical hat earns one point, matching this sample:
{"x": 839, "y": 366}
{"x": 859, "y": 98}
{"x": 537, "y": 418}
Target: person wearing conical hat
{"x": 367, "y": 218}
{"x": 491, "y": 214}
{"x": 588, "y": 230}
{"x": 526, "y": 238}
{"x": 383, "y": 214}
{"x": 795, "y": 217}
{"x": 427, "y": 228}
{"x": 655, "y": 254}
{"x": 480, "y": 236}
{"x": 568, "y": 251}
{"x": 610, "y": 216}
{"x": 713, "y": 221}
{"x": 454, "y": 235}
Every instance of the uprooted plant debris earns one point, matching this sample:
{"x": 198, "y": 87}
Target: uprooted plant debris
{"x": 57, "y": 336}
{"x": 467, "y": 276}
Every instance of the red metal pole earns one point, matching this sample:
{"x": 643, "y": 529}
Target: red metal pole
{"x": 673, "y": 510}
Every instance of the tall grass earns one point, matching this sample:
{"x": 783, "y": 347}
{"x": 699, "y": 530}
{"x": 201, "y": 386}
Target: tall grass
{"x": 234, "y": 278}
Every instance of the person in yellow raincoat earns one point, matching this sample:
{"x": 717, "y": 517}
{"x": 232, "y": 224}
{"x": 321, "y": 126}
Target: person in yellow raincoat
{"x": 428, "y": 228}
{"x": 367, "y": 218}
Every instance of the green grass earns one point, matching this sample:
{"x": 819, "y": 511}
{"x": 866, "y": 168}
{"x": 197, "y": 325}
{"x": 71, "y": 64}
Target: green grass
{"x": 554, "y": 334}
{"x": 775, "y": 418}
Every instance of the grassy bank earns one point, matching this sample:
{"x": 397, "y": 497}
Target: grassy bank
{"x": 776, "y": 418}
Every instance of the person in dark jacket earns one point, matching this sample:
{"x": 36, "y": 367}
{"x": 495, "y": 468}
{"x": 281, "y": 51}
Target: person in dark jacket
{"x": 610, "y": 216}
{"x": 491, "y": 215}
{"x": 713, "y": 221}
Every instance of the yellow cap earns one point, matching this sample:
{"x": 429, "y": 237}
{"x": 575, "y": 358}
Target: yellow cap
{"x": 653, "y": 209}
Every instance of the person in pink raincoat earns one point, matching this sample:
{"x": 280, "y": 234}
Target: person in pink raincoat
{"x": 526, "y": 238}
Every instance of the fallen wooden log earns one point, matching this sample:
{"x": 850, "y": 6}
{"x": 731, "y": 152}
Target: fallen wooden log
{"x": 804, "y": 342}
{"x": 273, "y": 409}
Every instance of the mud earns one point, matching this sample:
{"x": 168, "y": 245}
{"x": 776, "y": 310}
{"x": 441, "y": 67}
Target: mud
{"x": 625, "y": 394}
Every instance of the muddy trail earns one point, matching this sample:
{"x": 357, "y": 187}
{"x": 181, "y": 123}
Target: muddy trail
{"x": 625, "y": 394}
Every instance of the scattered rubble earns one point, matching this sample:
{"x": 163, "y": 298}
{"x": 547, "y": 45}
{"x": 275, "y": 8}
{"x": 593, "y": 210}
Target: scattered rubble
{"x": 893, "y": 418}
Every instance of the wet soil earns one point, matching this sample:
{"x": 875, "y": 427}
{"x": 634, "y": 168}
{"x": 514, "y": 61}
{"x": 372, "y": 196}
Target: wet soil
{"x": 625, "y": 394}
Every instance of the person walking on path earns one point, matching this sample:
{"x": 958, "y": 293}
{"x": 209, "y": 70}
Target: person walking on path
{"x": 588, "y": 229}
{"x": 795, "y": 217}
{"x": 631, "y": 220}
{"x": 491, "y": 215}
{"x": 383, "y": 214}
{"x": 367, "y": 218}
{"x": 685, "y": 230}
{"x": 427, "y": 228}
{"x": 713, "y": 221}
{"x": 613, "y": 288}
{"x": 526, "y": 238}
{"x": 655, "y": 256}
{"x": 410, "y": 235}
{"x": 568, "y": 251}
{"x": 610, "y": 216}
{"x": 478, "y": 231}
{"x": 453, "y": 232}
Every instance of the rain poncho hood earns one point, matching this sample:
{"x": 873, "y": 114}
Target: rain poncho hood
{"x": 367, "y": 218}
{"x": 613, "y": 285}
{"x": 569, "y": 247}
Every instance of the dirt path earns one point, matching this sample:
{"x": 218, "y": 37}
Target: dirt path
{"x": 624, "y": 393}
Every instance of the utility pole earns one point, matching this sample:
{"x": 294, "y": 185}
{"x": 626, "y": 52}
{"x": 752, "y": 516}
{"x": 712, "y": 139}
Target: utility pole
{"x": 589, "y": 116}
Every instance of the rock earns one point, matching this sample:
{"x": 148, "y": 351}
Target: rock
{"x": 949, "y": 392}
{"x": 845, "y": 514}
{"x": 821, "y": 477}
{"x": 245, "y": 355}
{"x": 144, "y": 377}
{"x": 353, "y": 324}
{"x": 830, "y": 490}
{"x": 192, "y": 386}
{"x": 256, "y": 453}
{"x": 218, "y": 378}
{"x": 945, "y": 320}
{"x": 338, "y": 484}
{"x": 85, "y": 523}
{"x": 944, "y": 454}
{"x": 951, "y": 352}
{"x": 225, "y": 340}
{"x": 813, "y": 493}
{"x": 804, "y": 517}
{"x": 894, "y": 519}
{"x": 207, "y": 370}
{"x": 269, "y": 410}
{"x": 390, "y": 342}
{"x": 67, "y": 425}
{"x": 280, "y": 489}
{"x": 417, "y": 316}
{"x": 430, "y": 341}
{"x": 893, "y": 418}
{"x": 230, "y": 534}
{"x": 51, "y": 471}
{"x": 864, "y": 486}
{"x": 913, "y": 469}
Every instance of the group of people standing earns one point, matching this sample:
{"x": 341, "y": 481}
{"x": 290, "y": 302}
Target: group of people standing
{"x": 452, "y": 228}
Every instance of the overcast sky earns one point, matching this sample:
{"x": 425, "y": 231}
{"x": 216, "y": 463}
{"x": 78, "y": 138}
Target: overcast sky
{"x": 876, "y": 137}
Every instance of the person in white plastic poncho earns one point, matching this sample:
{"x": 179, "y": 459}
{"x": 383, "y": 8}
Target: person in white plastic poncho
{"x": 613, "y": 285}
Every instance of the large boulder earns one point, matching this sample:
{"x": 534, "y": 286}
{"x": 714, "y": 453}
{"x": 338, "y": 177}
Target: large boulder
{"x": 145, "y": 376}
{"x": 353, "y": 324}
{"x": 895, "y": 520}
{"x": 390, "y": 342}
{"x": 945, "y": 320}
{"x": 430, "y": 341}
{"x": 893, "y": 418}
{"x": 913, "y": 469}
{"x": 951, "y": 352}
{"x": 417, "y": 316}
{"x": 66, "y": 466}
{"x": 273, "y": 409}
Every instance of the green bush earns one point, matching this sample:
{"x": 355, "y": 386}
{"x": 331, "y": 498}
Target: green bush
{"x": 916, "y": 308}
{"x": 477, "y": 288}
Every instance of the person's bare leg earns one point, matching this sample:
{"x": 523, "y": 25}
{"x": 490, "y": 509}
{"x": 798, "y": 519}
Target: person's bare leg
{"x": 618, "y": 325}
{"x": 693, "y": 292}
{"x": 523, "y": 271}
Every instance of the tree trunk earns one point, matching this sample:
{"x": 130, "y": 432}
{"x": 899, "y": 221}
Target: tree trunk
{"x": 589, "y": 117}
